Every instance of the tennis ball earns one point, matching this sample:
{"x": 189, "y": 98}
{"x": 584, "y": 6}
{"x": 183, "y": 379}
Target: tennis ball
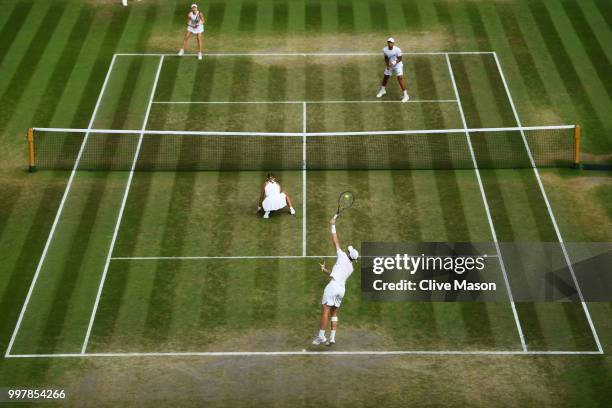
{"x": 347, "y": 196}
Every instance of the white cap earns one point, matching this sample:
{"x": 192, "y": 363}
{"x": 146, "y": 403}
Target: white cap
{"x": 391, "y": 39}
{"x": 194, "y": 5}
{"x": 353, "y": 254}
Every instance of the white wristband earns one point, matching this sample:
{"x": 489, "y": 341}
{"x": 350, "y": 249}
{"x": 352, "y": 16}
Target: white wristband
{"x": 333, "y": 229}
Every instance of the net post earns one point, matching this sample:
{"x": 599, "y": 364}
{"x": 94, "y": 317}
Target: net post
{"x": 31, "y": 156}
{"x": 577, "y": 134}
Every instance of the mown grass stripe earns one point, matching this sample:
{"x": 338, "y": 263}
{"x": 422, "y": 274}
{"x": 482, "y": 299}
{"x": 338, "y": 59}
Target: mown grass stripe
{"x": 313, "y": 16}
{"x": 414, "y": 317}
{"x": 567, "y": 71}
{"x": 25, "y": 71}
{"x": 346, "y": 16}
{"x": 112, "y": 37}
{"x": 280, "y": 17}
{"x": 248, "y": 16}
{"x": 605, "y": 9}
{"x": 453, "y": 211}
{"x": 590, "y": 44}
{"x": 216, "y": 16}
{"x": 159, "y": 313}
{"x": 63, "y": 69}
{"x": 13, "y": 23}
{"x": 119, "y": 119}
{"x": 523, "y": 56}
{"x": 32, "y": 244}
{"x": 91, "y": 211}
{"x": 378, "y": 13}
{"x": 47, "y": 194}
{"x": 67, "y": 279}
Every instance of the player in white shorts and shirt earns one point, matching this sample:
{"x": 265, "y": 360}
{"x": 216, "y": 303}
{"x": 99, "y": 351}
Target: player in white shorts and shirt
{"x": 393, "y": 66}
{"x": 272, "y": 198}
{"x": 334, "y": 291}
{"x": 195, "y": 25}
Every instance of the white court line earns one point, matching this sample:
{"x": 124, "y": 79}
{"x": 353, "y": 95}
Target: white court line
{"x": 300, "y": 54}
{"x": 122, "y": 208}
{"x": 298, "y": 102}
{"x": 157, "y": 258}
{"x": 486, "y": 205}
{"x": 548, "y": 207}
{"x": 59, "y": 210}
{"x": 304, "y": 129}
{"x": 316, "y": 353}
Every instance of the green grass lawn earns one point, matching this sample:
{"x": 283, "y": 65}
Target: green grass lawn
{"x": 54, "y": 57}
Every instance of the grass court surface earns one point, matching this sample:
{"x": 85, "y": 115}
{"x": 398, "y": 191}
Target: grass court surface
{"x": 177, "y": 262}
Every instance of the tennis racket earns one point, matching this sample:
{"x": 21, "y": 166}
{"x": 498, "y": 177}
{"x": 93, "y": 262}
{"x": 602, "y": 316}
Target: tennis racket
{"x": 345, "y": 201}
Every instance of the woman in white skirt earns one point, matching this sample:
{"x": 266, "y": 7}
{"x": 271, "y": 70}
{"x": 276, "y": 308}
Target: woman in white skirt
{"x": 272, "y": 198}
{"x": 195, "y": 25}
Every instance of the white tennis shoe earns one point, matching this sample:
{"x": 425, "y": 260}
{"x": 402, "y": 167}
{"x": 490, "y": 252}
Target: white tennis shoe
{"x": 292, "y": 210}
{"x": 330, "y": 342}
{"x": 381, "y": 93}
{"x": 267, "y": 214}
{"x": 406, "y": 97}
{"x": 200, "y": 56}
{"x": 319, "y": 340}
{"x": 181, "y": 52}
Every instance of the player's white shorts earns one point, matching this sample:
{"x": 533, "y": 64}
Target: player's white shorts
{"x": 274, "y": 202}
{"x": 397, "y": 70}
{"x": 333, "y": 294}
{"x": 197, "y": 30}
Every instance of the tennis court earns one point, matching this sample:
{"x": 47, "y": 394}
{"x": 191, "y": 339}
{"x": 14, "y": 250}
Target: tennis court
{"x": 177, "y": 262}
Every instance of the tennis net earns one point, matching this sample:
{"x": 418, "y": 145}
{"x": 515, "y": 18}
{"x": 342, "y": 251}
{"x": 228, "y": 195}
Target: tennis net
{"x": 99, "y": 149}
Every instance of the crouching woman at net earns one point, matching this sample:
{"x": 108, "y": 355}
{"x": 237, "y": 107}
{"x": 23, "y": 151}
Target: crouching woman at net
{"x": 273, "y": 198}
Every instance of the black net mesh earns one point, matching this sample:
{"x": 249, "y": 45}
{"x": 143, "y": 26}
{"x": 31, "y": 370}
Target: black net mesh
{"x": 550, "y": 147}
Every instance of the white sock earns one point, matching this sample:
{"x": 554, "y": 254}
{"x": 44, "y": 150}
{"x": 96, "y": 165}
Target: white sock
{"x": 383, "y": 88}
{"x": 332, "y": 335}
{"x": 406, "y": 92}
{"x": 321, "y": 333}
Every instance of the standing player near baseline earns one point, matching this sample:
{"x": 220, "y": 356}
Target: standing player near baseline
{"x": 195, "y": 25}
{"x": 394, "y": 65}
{"x": 334, "y": 291}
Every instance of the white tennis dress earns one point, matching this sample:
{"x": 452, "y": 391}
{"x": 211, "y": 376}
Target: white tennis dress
{"x": 275, "y": 200}
{"x": 334, "y": 291}
{"x": 195, "y": 21}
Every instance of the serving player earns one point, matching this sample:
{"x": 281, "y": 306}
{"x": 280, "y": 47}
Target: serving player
{"x": 195, "y": 25}
{"x": 393, "y": 66}
{"x": 273, "y": 198}
{"x": 334, "y": 291}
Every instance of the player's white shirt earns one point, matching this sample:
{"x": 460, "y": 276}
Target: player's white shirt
{"x": 342, "y": 269}
{"x": 275, "y": 200}
{"x": 393, "y": 54}
{"x": 195, "y": 18}
{"x": 272, "y": 189}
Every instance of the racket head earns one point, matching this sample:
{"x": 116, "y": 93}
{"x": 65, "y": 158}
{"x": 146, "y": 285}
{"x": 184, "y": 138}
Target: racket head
{"x": 345, "y": 200}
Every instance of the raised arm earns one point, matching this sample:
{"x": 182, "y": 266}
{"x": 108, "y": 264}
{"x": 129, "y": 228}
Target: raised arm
{"x": 334, "y": 234}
